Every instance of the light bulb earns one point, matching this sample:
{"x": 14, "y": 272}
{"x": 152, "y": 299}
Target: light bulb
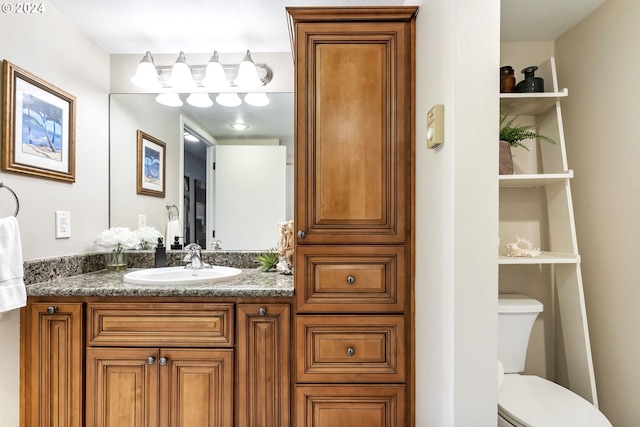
{"x": 228, "y": 99}
{"x": 146, "y": 75}
{"x": 169, "y": 99}
{"x": 181, "y": 78}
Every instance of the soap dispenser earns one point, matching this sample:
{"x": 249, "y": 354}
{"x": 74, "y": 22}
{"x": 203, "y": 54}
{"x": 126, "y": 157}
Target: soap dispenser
{"x": 161, "y": 254}
{"x": 176, "y": 244}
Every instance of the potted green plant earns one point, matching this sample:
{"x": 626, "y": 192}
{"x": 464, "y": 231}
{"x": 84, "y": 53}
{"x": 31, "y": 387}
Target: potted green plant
{"x": 512, "y": 135}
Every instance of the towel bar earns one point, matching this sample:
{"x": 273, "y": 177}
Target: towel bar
{"x": 15, "y": 196}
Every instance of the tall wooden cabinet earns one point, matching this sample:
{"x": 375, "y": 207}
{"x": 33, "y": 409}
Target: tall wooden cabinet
{"x": 354, "y": 71}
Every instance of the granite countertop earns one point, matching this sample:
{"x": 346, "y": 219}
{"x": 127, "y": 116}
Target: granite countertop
{"x": 251, "y": 283}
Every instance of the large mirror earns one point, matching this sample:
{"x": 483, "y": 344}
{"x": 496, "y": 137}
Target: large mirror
{"x": 236, "y": 203}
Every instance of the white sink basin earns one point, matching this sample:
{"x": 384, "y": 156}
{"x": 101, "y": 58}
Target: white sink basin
{"x": 180, "y": 276}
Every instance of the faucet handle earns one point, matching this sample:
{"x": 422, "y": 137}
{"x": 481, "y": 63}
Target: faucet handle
{"x": 193, "y": 247}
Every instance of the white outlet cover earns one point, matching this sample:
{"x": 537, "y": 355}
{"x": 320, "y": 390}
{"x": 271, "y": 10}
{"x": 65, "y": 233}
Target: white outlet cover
{"x": 63, "y": 224}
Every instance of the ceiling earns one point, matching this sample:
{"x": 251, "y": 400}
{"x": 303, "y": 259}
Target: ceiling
{"x": 198, "y": 26}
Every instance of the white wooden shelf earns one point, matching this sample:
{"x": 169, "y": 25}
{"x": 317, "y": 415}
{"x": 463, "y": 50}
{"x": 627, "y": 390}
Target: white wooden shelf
{"x": 533, "y": 180}
{"x": 523, "y": 212}
{"x": 530, "y": 103}
{"x": 543, "y": 258}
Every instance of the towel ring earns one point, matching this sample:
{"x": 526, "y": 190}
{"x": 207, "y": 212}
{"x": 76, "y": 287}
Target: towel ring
{"x": 15, "y": 196}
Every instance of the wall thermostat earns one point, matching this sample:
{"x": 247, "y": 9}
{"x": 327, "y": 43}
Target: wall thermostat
{"x": 435, "y": 126}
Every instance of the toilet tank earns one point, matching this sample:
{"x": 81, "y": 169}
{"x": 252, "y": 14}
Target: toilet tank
{"x": 516, "y": 314}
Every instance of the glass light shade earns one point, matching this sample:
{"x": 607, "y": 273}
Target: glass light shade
{"x": 146, "y": 75}
{"x": 257, "y": 99}
{"x": 228, "y": 99}
{"x": 181, "y": 78}
{"x": 247, "y": 77}
{"x": 169, "y": 99}
{"x": 201, "y": 100}
{"x": 214, "y": 77}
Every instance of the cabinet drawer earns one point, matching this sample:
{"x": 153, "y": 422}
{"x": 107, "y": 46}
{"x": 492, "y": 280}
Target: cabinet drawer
{"x": 160, "y": 324}
{"x": 350, "y": 349}
{"x": 350, "y": 279}
{"x": 365, "y": 405}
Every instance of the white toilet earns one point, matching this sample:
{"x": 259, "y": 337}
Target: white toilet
{"x": 527, "y": 400}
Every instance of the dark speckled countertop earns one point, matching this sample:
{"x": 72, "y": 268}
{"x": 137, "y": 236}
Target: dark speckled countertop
{"x": 251, "y": 283}
{"x": 84, "y": 275}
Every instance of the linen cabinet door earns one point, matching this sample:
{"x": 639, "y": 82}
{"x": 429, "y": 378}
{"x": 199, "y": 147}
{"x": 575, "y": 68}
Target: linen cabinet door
{"x": 342, "y": 406}
{"x": 122, "y": 387}
{"x": 196, "y": 387}
{"x": 51, "y": 378}
{"x": 263, "y": 365}
{"x": 352, "y": 132}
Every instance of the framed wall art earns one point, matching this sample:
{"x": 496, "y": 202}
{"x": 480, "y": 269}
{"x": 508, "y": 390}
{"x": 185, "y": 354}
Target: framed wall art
{"x": 38, "y": 126}
{"x": 151, "y": 165}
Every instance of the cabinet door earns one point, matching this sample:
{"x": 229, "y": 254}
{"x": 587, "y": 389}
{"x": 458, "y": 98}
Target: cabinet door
{"x": 122, "y": 387}
{"x": 52, "y": 365}
{"x": 263, "y": 365}
{"x": 341, "y": 406}
{"x": 353, "y": 131}
{"x": 196, "y": 388}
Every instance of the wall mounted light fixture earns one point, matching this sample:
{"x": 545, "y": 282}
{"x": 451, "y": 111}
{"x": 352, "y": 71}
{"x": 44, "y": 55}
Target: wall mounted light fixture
{"x": 225, "y": 79}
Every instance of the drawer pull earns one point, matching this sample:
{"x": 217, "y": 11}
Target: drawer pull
{"x": 301, "y": 234}
{"x": 151, "y": 360}
{"x": 52, "y": 309}
{"x": 351, "y": 351}
{"x": 163, "y": 361}
{"x": 262, "y": 311}
{"x": 351, "y": 280}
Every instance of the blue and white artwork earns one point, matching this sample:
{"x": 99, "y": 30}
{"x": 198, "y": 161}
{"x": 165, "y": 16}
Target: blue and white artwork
{"x": 151, "y": 165}
{"x": 41, "y": 128}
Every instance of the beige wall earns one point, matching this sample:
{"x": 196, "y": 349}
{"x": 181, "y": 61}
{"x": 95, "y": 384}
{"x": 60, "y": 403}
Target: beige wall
{"x": 47, "y": 46}
{"x": 598, "y": 61}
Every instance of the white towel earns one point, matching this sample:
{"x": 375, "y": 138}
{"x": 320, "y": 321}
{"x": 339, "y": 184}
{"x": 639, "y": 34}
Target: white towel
{"x": 12, "y": 291}
{"x": 173, "y": 230}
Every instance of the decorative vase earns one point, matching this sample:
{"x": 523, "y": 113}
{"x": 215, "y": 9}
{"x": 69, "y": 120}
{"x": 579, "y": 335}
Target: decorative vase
{"x": 115, "y": 260}
{"x": 506, "y": 161}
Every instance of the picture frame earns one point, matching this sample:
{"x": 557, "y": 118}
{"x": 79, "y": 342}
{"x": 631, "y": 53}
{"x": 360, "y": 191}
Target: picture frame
{"x": 151, "y": 167}
{"x": 38, "y": 126}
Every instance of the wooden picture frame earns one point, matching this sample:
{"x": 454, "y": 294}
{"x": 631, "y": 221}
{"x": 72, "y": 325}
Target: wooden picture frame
{"x": 151, "y": 165}
{"x": 38, "y": 126}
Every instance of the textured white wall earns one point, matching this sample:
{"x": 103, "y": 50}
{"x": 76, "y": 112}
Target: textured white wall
{"x": 457, "y": 55}
{"x": 47, "y": 46}
{"x": 598, "y": 61}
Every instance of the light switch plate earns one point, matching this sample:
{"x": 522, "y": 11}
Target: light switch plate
{"x": 435, "y": 126}
{"x": 63, "y": 224}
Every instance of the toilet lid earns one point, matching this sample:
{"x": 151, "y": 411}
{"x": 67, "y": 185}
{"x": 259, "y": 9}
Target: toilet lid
{"x": 532, "y": 401}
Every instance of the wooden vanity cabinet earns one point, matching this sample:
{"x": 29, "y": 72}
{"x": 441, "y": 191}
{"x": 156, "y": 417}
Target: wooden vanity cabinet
{"x": 52, "y": 354}
{"x": 263, "y": 384}
{"x": 354, "y": 175}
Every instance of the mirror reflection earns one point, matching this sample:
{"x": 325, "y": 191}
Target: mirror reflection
{"x": 237, "y": 205}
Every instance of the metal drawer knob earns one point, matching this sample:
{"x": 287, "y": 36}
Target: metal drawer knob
{"x": 262, "y": 311}
{"x": 163, "y": 361}
{"x": 52, "y": 309}
{"x": 351, "y": 280}
{"x": 351, "y": 351}
{"x": 151, "y": 360}
{"x": 301, "y": 234}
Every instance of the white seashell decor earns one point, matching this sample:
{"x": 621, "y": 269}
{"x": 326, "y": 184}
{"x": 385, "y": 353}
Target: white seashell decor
{"x": 522, "y": 247}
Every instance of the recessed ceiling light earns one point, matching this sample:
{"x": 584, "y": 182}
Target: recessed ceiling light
{"x": 239, "y": 126}
{"x": 190, "y": 137}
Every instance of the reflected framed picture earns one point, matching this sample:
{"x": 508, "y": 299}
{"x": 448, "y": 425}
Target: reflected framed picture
{"x": 151, "y": 165}
{"x": 38, "y": 126}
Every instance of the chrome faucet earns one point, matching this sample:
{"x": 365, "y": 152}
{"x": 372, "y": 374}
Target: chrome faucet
{"x": 194, "y": 257}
